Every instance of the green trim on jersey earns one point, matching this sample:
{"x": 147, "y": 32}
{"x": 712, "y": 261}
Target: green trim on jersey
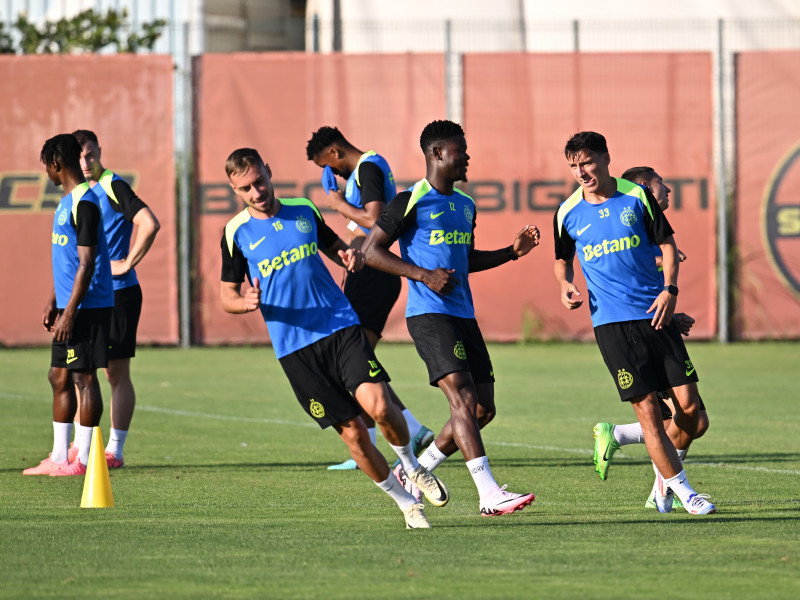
{"x": 623, "y": 186}
{"x": 421, "y": 188}
{"x": 358, "y": 164}
{"x": 234, "y": 224}
{"x": 634, "y": 189}
{"x": 301, "y": 202}
{"x": 105, "y": 183}
{"x": 568, "y": 205}
{"x": 77, "y": 194}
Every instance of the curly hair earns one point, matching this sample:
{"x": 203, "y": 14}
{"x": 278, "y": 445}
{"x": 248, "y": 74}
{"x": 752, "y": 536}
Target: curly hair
{"x": 62, "y": 149}
{"x": 438, "y": 131}
{"x": 322, "y": 138}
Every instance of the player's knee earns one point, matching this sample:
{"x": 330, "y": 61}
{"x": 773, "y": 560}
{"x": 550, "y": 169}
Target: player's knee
{"x": 702, "y": 424}
{"x": 58, "y": 378}
{"x": 485, "y": 415}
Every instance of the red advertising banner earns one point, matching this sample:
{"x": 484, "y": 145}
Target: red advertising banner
{"x": 519, "y": 110}
{"x": 273, "y": 102}
{"x": 127, "y": 101}
{"x": 767, "y": 204}
{"x": 654, "y": 109}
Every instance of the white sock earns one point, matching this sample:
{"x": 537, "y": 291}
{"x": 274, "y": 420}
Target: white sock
{"x": 62, "y": 432}
{"x": 682, "y": 453}
{"x": 373, "y": 435}
{"x": 482, "y": 476}
{"x": 406, "y": 456}
{"x": 432, "y": 457}
{"x": 413, "y": 425}
{"x": 680, "y": 486}
{"x": 392, "y": 487}
{"x": 116, "y": 442}
{"x": 83, "y": 435}
{"x": 628, "y": 434}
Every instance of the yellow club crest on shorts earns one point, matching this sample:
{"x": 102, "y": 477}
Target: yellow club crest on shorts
{"x": 625, "y": 379}
{"x": 316, "y": 409}
{"x": 459, "y": 351}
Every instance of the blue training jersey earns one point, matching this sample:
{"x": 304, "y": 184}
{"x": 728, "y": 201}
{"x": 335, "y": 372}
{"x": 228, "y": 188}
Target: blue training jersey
{"x": 434, "y": 230}
{"x": 74, "y": 225}
{"x": 616, "y": 243}
{"x": 300, "y": 301}
{"x": 355, "y": 183}
{"x": 119, "y": 205}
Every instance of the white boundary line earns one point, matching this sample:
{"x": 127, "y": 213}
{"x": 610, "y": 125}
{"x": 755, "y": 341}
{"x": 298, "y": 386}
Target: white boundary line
{"x": 581, "y": 451}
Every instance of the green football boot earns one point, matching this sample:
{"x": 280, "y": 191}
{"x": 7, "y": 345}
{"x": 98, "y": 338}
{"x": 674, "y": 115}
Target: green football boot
{"x": 604, "y": 447}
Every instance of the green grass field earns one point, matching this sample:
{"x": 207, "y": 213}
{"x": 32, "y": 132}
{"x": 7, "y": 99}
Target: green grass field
{"x": 225, "y": 492}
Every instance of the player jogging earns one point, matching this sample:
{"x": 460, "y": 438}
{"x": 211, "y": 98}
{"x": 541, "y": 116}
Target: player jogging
{"x": 315, "y": 333}
{"x": 434, "y": 223}
{"x": 614, "y": 227}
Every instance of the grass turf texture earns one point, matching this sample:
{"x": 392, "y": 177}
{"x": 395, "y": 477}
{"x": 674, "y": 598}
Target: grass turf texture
{"x": 225, "y": 492}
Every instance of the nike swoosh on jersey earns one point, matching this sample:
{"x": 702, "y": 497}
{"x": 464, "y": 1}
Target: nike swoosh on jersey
{"x": 580, "y": 231}
{"x": 375, "y": 372}
{"x": 437, "y": 215}
{"x": 254, "y": 245}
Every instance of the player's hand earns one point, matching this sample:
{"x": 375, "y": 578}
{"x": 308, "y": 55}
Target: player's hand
{"x": 681, "y": 256}
{"x": 49, "y": 316}
{"x": 62, "y": 328}
{"x": 441, "y": 280}
{"x": 684, "y": 322}
{"x": 336, "y": 199}
{"x": 664, "y": 307}
{"x": 352, "y": 259}
{"x": 119, "y": 267}
{"x": 526, "y": 240}
{"x": 252, "y": 297}
{"x": 569, "y": 293}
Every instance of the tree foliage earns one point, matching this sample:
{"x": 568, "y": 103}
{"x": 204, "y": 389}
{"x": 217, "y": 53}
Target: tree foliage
{"x": 86, "y": 32}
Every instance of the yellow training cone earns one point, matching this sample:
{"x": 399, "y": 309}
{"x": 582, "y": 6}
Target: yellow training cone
{"x": 96, "y": 484}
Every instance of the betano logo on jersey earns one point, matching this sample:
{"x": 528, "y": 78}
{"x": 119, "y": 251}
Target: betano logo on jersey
{"x": 286, "y": 258}
{"x": 610, "y": 246}
{"x": 438, "y": 236}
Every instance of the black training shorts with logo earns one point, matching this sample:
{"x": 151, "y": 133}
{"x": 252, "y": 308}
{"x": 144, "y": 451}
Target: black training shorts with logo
{"x": 87, "y": 347}
{"x": 325, "y": 375}
{"x": 125, "y": 322}
{"x": 642, "y": 359}
{"x": 450, "y": 344}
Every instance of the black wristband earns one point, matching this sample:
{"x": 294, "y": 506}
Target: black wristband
{"x": 511, "y": 254}
{"x": 671, "y": 289}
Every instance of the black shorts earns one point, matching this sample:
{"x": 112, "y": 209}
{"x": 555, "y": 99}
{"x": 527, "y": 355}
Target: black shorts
{"x": 372, "y": 293}
{"x": 326, "y": 374}
{"x": 125, "y": 322}
{"x": 450, "y": 344}
{"x": 87, "y": 348}
{"x": 642, "y": 359}
{"x": 666, "y": 411}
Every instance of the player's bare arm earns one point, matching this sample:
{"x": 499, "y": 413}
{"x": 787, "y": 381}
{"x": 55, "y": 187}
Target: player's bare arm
{"x": 147, "y": 228}
{"x": 351, "y": 259}
{"x": 440, "y": 280}
{"x": 525, "y": 241}
{"x": 234, "y": 302}
{"x": 62, "y": 329}
{"x": 565, "y": 273}
{"x": 663, "y": 306}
